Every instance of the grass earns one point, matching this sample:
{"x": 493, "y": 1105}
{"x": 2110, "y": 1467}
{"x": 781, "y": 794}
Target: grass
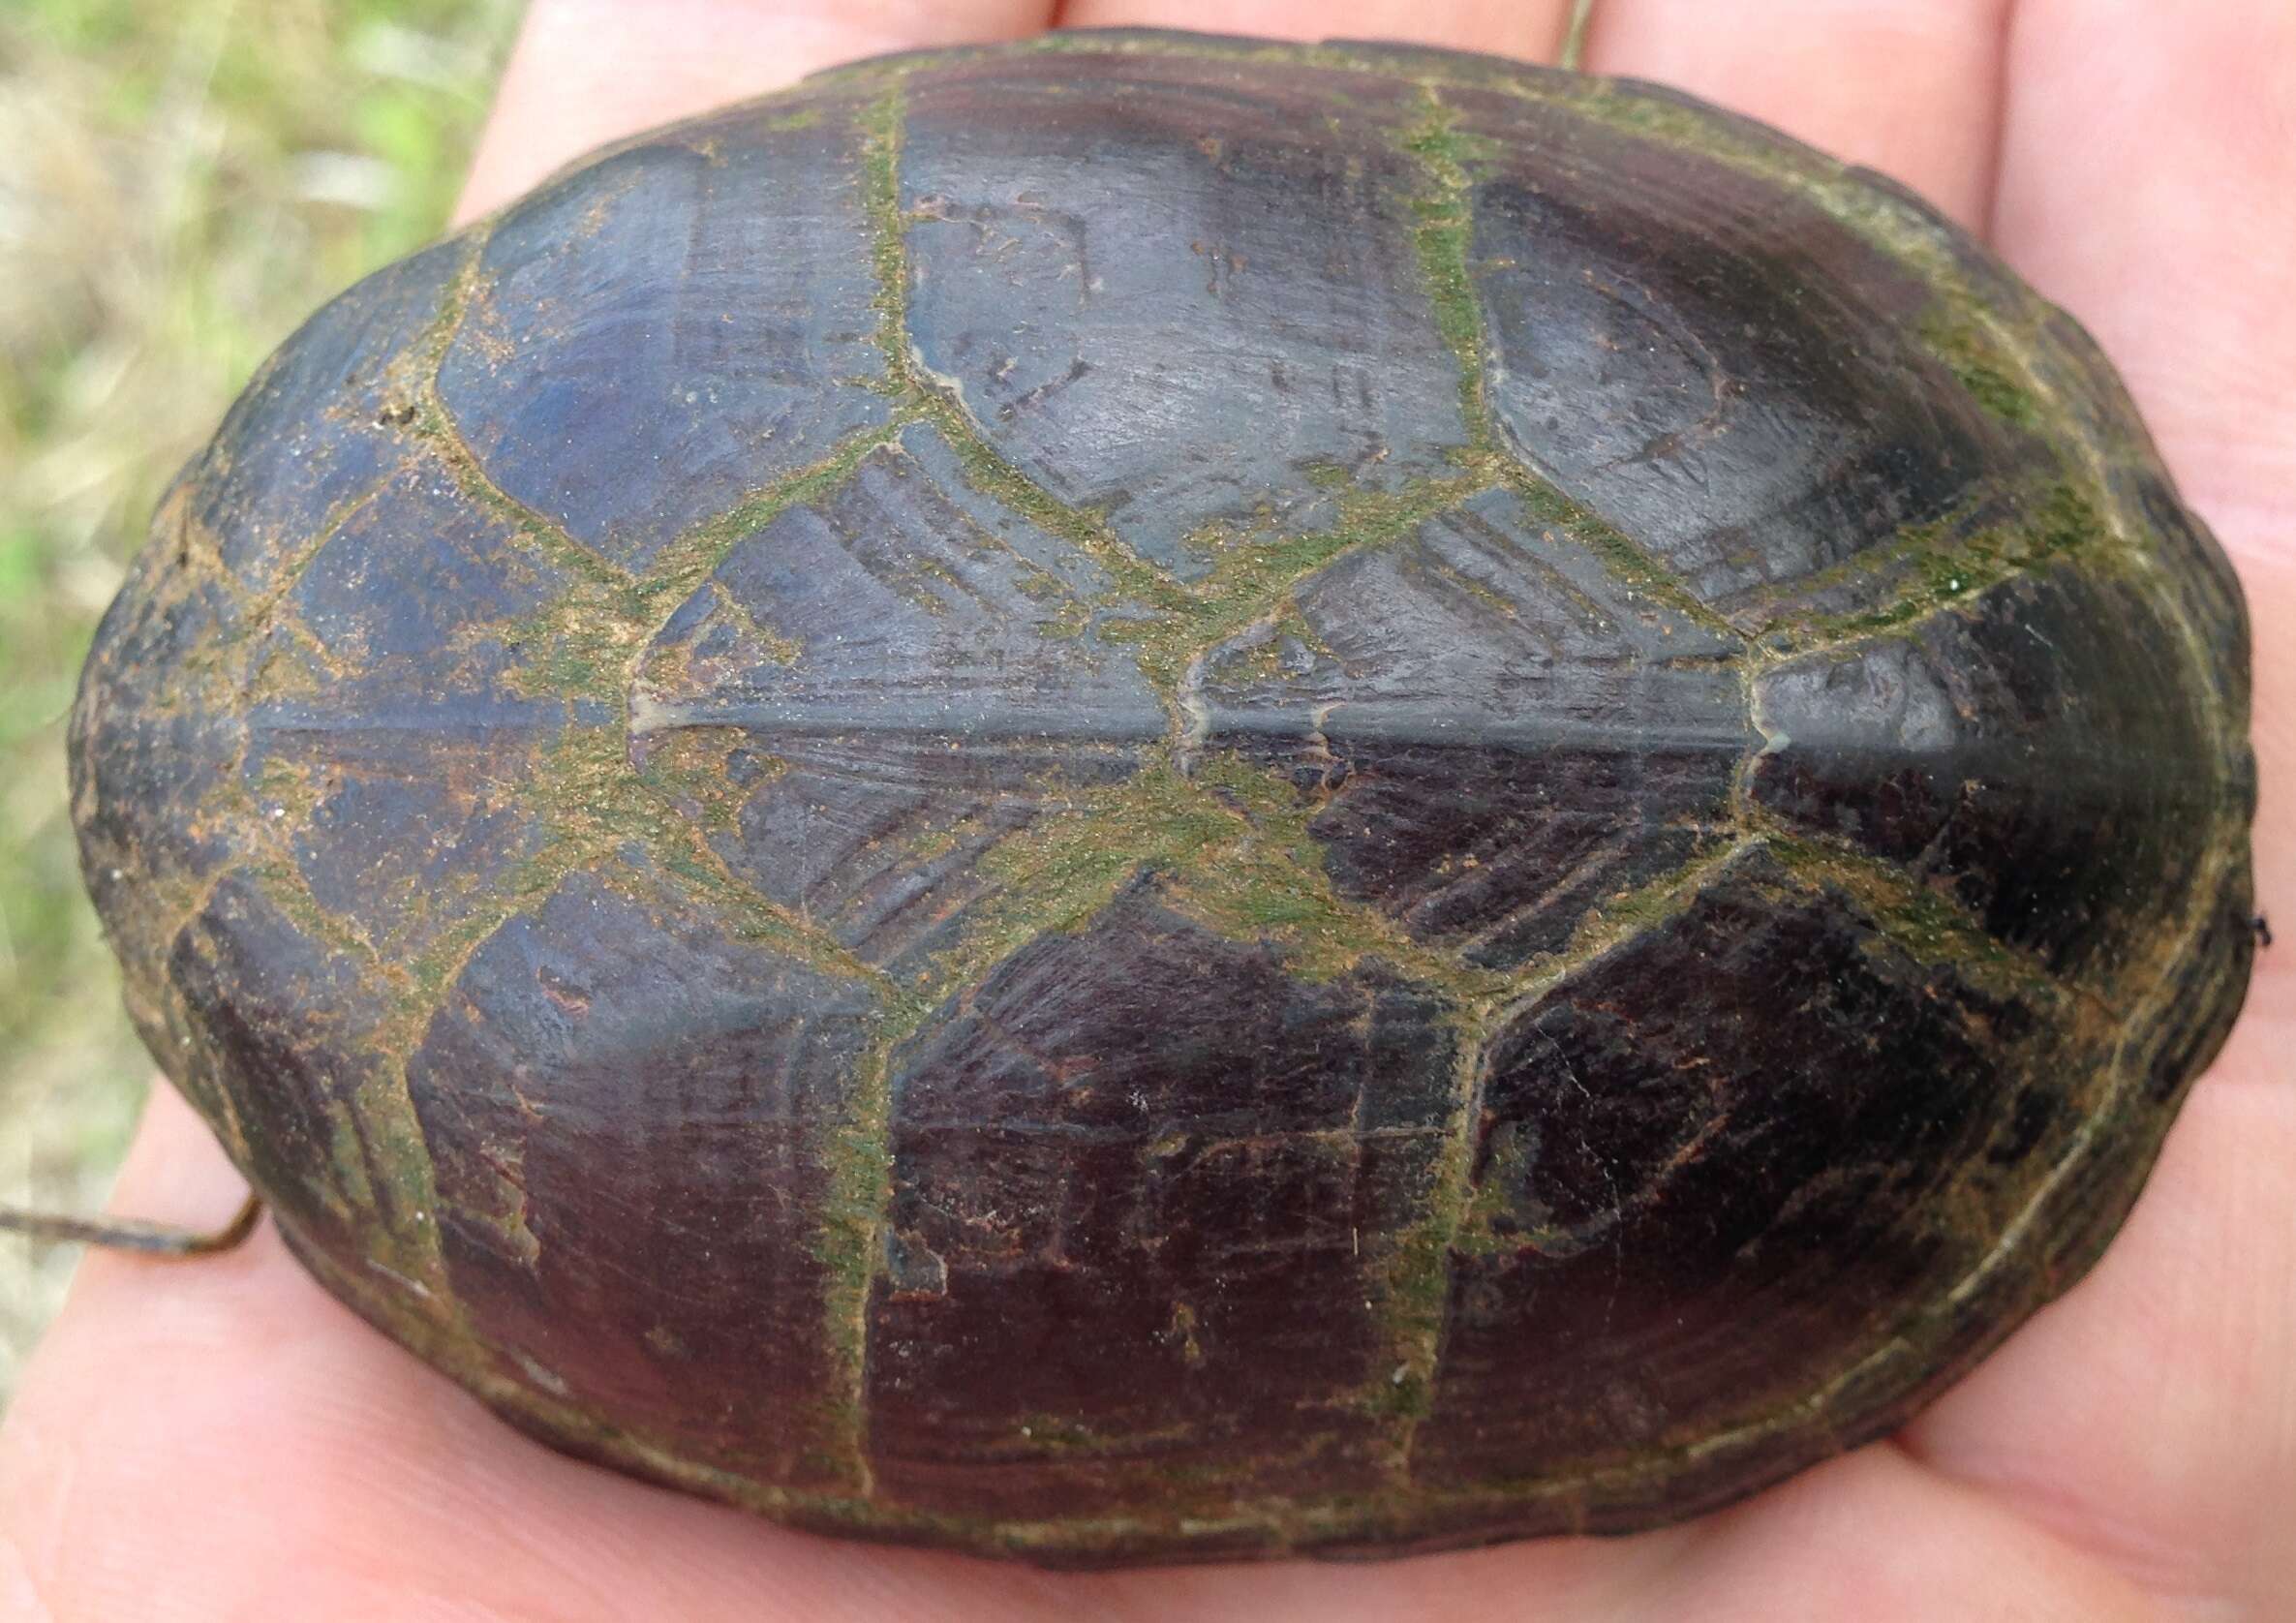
{"x": 183, "y": 184}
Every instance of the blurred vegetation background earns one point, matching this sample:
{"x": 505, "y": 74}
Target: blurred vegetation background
{"x": 184, "y": 183}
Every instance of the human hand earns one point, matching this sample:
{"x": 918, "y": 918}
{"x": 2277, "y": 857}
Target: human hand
{"x": 223, "y": 1441}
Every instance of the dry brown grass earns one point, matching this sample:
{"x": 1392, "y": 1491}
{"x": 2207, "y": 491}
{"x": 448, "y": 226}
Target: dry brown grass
{"x": 182, "y": 184}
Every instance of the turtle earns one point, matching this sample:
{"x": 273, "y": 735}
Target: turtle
{"x": 1157, "y": 797}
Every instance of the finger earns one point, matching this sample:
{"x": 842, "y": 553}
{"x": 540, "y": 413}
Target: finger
{"x": 1532, "y": 29}
{"x": 1905, "y": 86}
{"x": 257, "y": 1452}
{"x": 2150, "y": 1416}
{"x": 175, "y": 1175}
{"x": 2149, "y": 184}
{"x": 1874, "y": 1538}
{"x": 587, "y": 72}
{"x": 228, "y": 1425}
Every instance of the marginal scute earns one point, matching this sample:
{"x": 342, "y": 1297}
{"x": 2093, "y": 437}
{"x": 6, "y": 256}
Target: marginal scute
{"x": 1502, "y": 733}
{"x": 1216, "y": 320}
{"x": 1165, "y": 1179}
{"x": 148, "y": 764}
{"x": 689, "y": 303}
{"x": 615, "y": 1020}
{"x": 2195, "y": 572}
{"x": 282, "y": 1028}
{"x": 2173, "y": 1052}
{"x": 887, "y": 681}
{"x": 147, "y": 793}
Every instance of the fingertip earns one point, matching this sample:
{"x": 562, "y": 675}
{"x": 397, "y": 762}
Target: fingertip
{"x": 1909, "y": 87}
{"x": 584, "y": 72}
{"x": 1530, "y": 30}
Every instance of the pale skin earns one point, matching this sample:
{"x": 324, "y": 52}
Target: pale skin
{"x": 218, "y": 1439}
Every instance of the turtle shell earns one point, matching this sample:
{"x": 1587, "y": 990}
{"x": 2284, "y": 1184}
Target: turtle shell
{"x": 1147, "y": 796}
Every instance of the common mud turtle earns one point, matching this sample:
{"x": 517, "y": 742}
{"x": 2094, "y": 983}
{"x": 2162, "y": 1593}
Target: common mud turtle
{"x": 1152, "y": 797}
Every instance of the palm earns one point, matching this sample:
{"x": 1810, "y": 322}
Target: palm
{"x": 223, "y": 1441}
